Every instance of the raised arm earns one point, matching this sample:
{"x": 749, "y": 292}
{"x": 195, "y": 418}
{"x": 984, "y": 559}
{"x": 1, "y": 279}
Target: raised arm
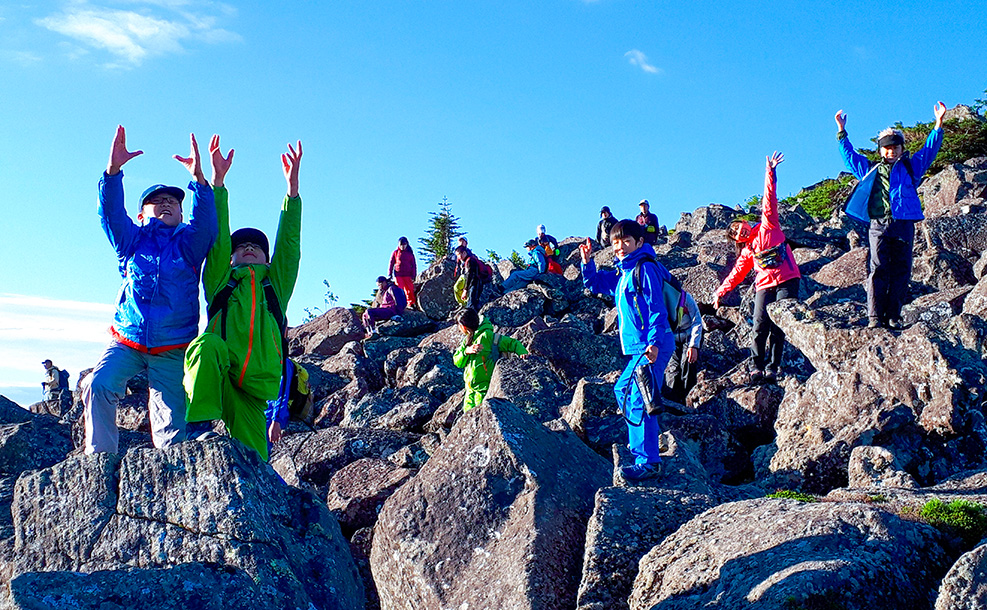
{"x": 118, "y": 227}
{"x": 598, "y": 282}
{"x": 193, "y": 162}
{"x": 288, "y": 243}
{"x": 769, "y": 203}
{"x": 854, "y": 161}
{"x": 924, "y": 157}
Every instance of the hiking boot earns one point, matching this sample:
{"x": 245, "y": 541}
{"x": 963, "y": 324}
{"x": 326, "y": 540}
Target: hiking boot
{"x": 199, "y": 430}
{"x": 640, "y": 472}
{"x": 770, "y": 376}
{"x": 873, "y": 323}
{"x": 756, "y": 377}
{"x": 896, "y": 324}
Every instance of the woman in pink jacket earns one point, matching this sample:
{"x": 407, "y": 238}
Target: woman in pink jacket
{"x": 402, "y": 268}
{"x": 764, "y": 248}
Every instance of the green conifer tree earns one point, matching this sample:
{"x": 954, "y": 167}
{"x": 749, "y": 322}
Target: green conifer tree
{"x": 443, "y": 229}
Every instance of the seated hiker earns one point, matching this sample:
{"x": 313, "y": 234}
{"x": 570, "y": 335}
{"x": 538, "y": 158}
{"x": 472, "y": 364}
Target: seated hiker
{"x": 157, "y": 313}
{"x": 607, "y": 221}
{"x": 680, "y": 375}
{"x": 548, "y": 243}
{"x": 887, "y": 199}
{"x": 637, "y": 285}
{"x": 521, "y": 277}
{"x": 472, "y": 274}
{"x": 236, "y": 366}
{"x": 402, "y": 268}
{"x": 388, "y": 303}
{"x": 764, "y": 248}
{"x": 478, "y": 354}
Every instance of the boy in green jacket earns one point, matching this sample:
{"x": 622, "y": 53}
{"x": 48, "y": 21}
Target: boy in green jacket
{"x": 475, "y": 355}
{"x": 234, "y": 367}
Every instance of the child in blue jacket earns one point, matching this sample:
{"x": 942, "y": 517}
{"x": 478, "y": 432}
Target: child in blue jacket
{"x": 157, "y": 311}
{"x": 644, "y": 333}
{"x": 522, "y": 277}
{"x": 887, "y": 199}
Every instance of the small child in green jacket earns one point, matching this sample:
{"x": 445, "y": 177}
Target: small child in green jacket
{"x": 476, "y": 354}
{"x": 235, "y": 366}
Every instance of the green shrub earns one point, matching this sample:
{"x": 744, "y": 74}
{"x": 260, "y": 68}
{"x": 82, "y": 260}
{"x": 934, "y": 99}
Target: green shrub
{"x": 787, "y": 494}
{"x": 962, "y": 517}
{"x": 518, "y": 260}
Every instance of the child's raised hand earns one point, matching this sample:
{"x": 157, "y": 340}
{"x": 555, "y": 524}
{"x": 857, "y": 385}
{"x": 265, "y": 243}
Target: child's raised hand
{"x": 841, "y": 120}
{"x": 584, "y": 250}
{"x": 290, "y": 162}
{"x": 220, "y": 164}
{"x": 119, "y": 153}
{"x": 940, "y": 111}
{"x": 193, "y": 163}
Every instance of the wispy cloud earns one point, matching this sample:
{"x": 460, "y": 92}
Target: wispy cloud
{"x": 639, "y": 59}
{"x": 158, "y": 27}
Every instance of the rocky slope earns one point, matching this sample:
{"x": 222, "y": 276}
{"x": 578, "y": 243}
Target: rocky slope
{"x": 396, "y": 500}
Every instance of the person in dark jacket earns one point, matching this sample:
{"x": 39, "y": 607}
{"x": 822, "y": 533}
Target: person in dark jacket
{"x": 887, "y": 199}
{"x": 548, "y": 243}
{"x": 468, "y": 267}
{"x": 607, "y": 221}
{"x": 157, "y": 314}
{"x": 403, "y": 269}
{"x": 649, "y": 221}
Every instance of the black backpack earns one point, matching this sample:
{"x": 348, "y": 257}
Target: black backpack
{"x": 672, "y": 294}
{"x": 63, "y": 379}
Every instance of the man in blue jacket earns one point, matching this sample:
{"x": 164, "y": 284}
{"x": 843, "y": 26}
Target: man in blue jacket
{"x": 157, "y": 312}
{"x": 521, "y": 277}
{"x": 887, "y": 199}
{"x": 644, "y": 333}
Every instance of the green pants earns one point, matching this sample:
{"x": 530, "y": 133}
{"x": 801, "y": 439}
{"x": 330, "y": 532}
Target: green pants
{"x": 474, "y": 396}
{"x": 211, "y": 394}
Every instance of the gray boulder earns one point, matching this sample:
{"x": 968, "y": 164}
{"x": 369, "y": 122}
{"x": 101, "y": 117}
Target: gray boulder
{"x": 965, "y": 585}
{"x": 594, "y": 416}
{"x": 435, "y": 295}
{"x": 877, "y": 467}
{"x": 516, "y": 308}
{"x": 411, "y": 323}
{"x": 351, "y": 363}
{"x": 312, "y": 458}
{"x": 531, "y": 385}
{"x": 202, "y": 586}
{"x": 213, "y": 501}
{"x": 575, "y": 352}
{"x": 936, "y": 308}
{"x": 496, "y": 519}
{"x": 916, "y": 393}
{"x": 847, "y": 270}
{"x": 976, "y": 301}
{"x": 780, "y": 554}
{"x": 330, "y": 411}
{"x": 432, "y": 370}
{"x": 713, "y": 216}
{"x": 327, "y": 334}
{"x": 358, "y": 491}
{"x": 943, "y": 192}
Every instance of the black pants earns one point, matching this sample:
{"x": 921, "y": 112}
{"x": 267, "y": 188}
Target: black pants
{"x": 766, "y": 333}
{"x": 473, "y": 295}
{"x": 890, "y": 267}
{"x": 680, "y": 374}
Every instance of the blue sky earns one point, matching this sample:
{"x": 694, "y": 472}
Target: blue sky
{"x": 520, "y": 113}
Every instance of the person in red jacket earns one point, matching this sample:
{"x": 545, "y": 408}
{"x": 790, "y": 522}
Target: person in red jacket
{"x": 764, "y": 248}
{"x": 403, "y": 270}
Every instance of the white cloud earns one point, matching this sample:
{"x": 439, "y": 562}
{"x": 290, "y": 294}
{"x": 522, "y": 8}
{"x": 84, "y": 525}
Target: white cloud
{"x": 639, "y": 59}
{"x": 132, "y": 36}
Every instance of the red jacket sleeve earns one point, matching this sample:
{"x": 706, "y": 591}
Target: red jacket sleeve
{"x": 769, "y": 204}
{"x": 743, "y": 266}
{"x": 390, "y": 266}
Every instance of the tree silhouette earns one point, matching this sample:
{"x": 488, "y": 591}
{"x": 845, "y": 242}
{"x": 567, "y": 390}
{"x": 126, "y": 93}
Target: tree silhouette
{"x": 442, "y": 229}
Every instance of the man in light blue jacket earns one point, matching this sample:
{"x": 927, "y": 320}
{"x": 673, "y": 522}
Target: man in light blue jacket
{"x": 887, "y": 199}
{"x": 157, "y": 311}
{"x": 644, "y": 334}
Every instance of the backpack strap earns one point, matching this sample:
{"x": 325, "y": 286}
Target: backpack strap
{"x": 220, "y": 303}
{"x": 907, "y": 162}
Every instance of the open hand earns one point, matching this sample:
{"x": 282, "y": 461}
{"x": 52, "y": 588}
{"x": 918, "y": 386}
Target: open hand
{"x": 584, "y": 250}
{"x": 119, "y": 153}
{"x": 193, "y": 163}
{"x": 220, "y": 164}
{"x": 651, "y": 353}
{"x": 940, "y": 111}
{"x": 775, "y": 158}
{"x": 274, "y": 432}
{"x": 290, "y": 162}
{"x": 841, "y": 120}
{"x": 692, "y": 354}
{"x": 474, "y": 349}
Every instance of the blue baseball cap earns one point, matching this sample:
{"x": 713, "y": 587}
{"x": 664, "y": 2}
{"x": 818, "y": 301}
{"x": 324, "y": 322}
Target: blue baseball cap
{"x": 153, "y": 190}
